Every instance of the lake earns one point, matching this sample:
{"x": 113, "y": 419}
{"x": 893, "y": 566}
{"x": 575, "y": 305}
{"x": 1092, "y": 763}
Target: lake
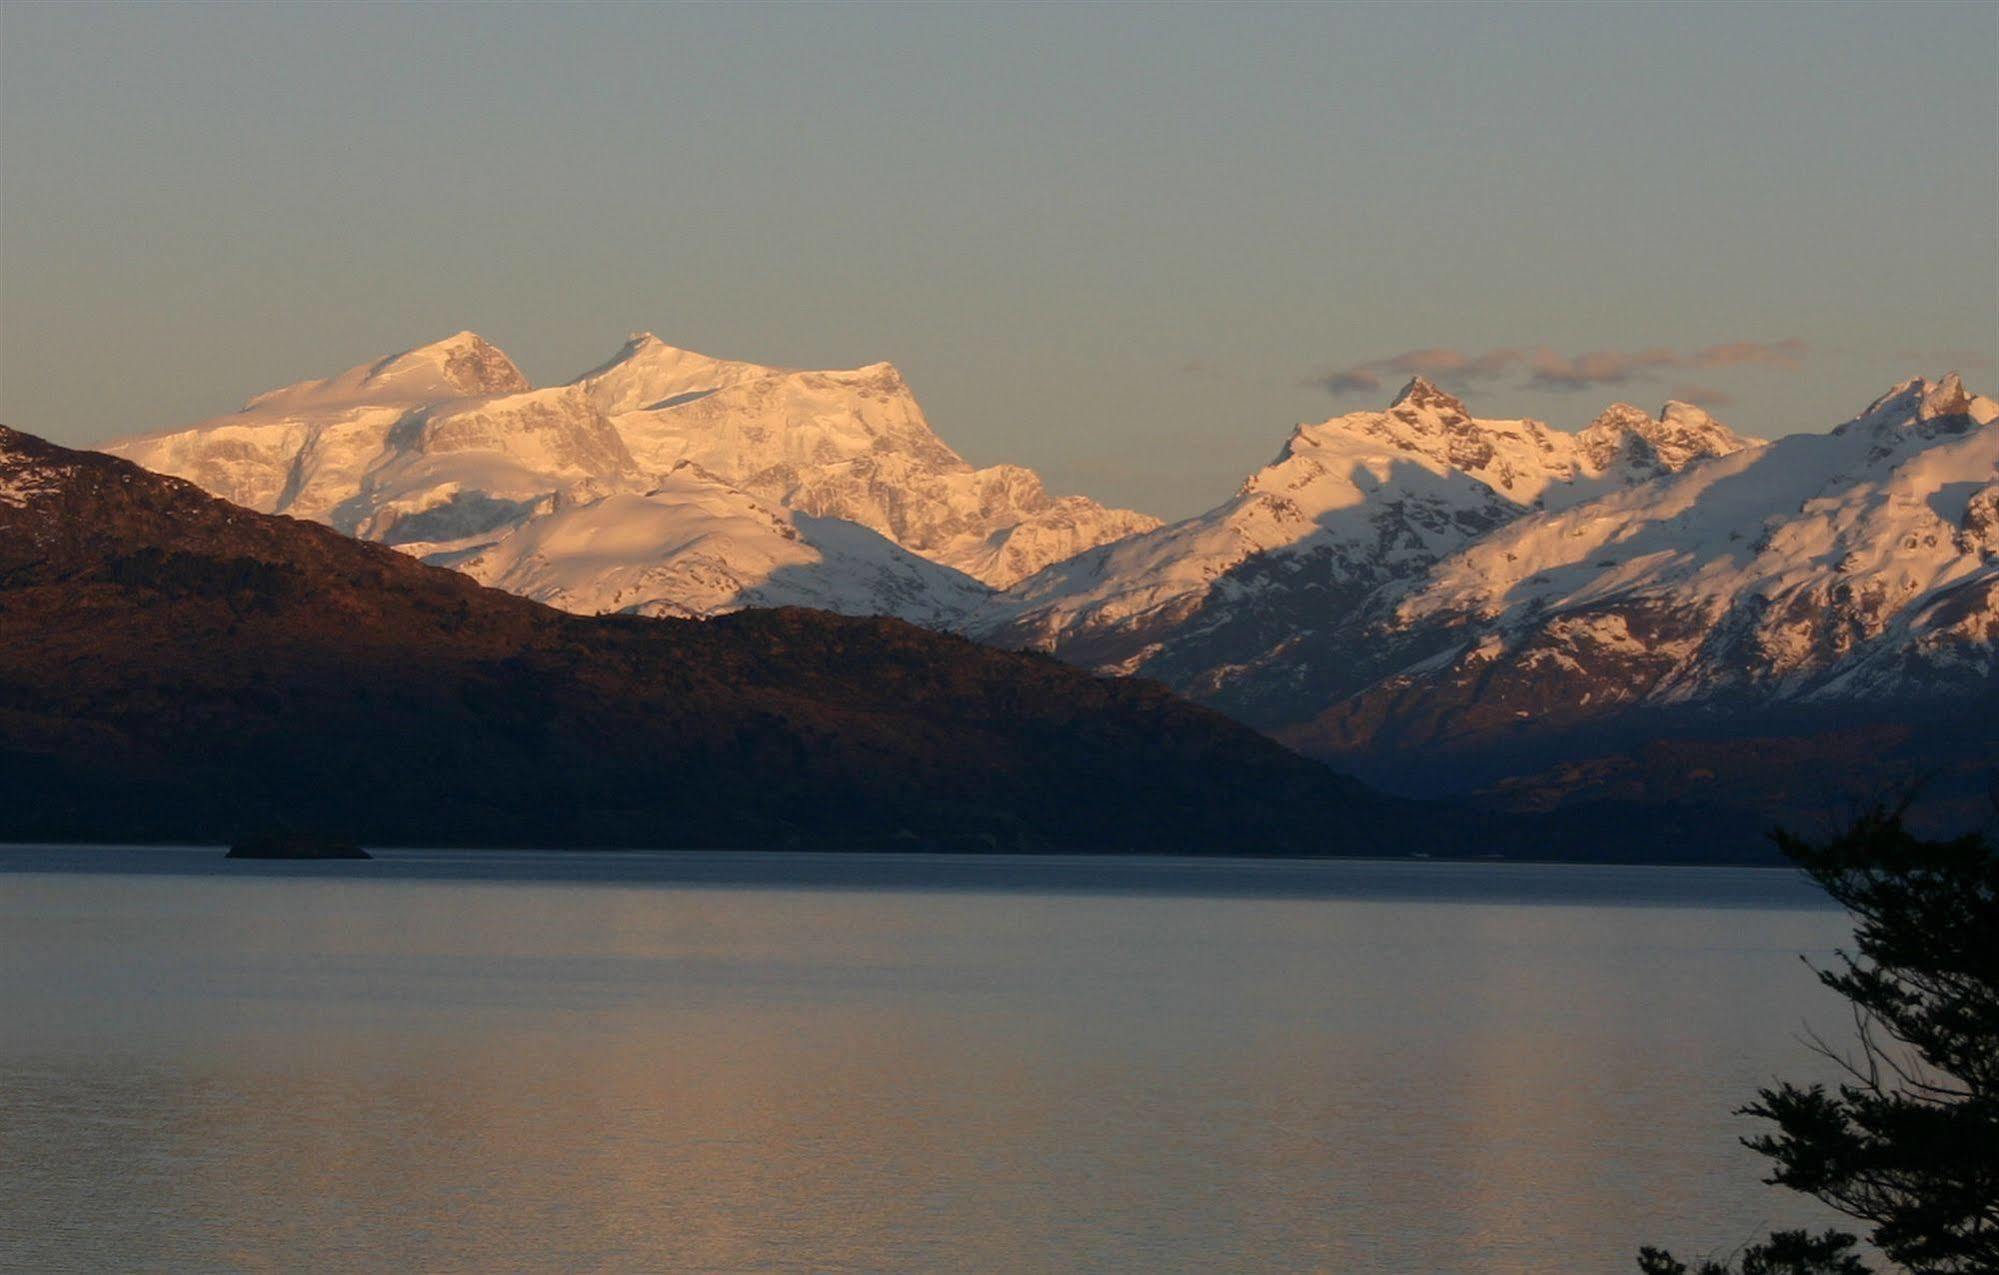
{"x": 722, "y": 1062}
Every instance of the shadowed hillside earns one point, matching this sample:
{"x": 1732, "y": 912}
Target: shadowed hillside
{"x": 176, "y": 667}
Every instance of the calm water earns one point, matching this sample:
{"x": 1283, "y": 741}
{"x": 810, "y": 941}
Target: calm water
{"x": 726, "y": 1062}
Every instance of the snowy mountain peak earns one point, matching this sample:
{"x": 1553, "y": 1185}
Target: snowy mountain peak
{"x": 1686, "y": 432}
{"x": 1420, "y": 394}
{"x": 1625, "y": 416}
{"x": 465, "y": 361}
{"x": 1921, "y": 408}
{"x": 854, "y": 444}
{"x": 445, "y": 452}
{"x": 1902, "y": 393}
{"x": 648, "y": 374}
{"x": 1235, "y": 605}
{"x": 1690, "y": 414}
{"x": 1681, "y": 434}
{"x": 1823, "y": 567}
{"x": 462, "y": 365}
{"x": 1948, "y": 397}
{"x": 1518, "y": 459}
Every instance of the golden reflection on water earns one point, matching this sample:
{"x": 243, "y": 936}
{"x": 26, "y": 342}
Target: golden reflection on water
{"x": 215, "y": 1073}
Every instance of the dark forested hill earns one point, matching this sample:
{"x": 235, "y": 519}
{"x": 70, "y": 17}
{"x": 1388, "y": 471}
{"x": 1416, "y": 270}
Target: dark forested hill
{"x": 176, "y": 667}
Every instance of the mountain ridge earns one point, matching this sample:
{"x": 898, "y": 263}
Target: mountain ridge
{"x": 1350, "y": 506}
{"x": 173, "y": 666}
{"x": 1393, "y": 588}
{"x": 451, "y": 437}
{"x": 1447, "y": 606}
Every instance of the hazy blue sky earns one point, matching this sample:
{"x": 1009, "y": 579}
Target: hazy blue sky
{"x": 1125, "y": 244}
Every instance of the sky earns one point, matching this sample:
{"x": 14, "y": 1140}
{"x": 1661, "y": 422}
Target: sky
{"x": 1127, "y": 245}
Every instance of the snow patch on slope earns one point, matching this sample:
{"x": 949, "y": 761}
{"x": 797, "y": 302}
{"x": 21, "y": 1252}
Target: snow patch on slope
{"x": 695, "y": 546}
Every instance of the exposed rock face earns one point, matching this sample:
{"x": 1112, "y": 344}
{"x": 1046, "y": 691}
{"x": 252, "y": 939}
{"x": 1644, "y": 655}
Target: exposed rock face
{"x": 446, "y": 452}
{"x": 464, "y": 365}
{"x": 472, "y": 366}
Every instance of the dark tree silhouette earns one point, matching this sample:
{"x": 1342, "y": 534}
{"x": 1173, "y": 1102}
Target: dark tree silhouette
{"x": 1908, "y": 1142}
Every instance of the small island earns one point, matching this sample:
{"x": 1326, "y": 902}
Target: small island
{"x": 295, "y": 845}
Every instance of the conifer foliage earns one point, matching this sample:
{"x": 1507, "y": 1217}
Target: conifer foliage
{"x": 1908, "y": 1141}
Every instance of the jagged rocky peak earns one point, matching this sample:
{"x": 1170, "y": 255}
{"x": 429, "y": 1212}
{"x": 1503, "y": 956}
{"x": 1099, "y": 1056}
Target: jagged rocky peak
{"x": 1623, "y": 416}
{"x": 1421, "y": 395}
{"x": 1925, "y": 409}
{"x": 1681, "y": 434}
{"x": 1950, "y": 398}
{"x": 1426, "y": 418}
{"x": 1901, "y": 396}
{"x": 1612, "y": 434}
{"x": 1686, "y": 432}
{"x": 1928, "y": 400}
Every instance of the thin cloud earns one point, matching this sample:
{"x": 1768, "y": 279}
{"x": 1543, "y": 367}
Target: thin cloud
{"x": 1356, "y": 380}
{"x": 1783, "y": 354}
{"x": 1547, "y": 369}
{"x": 1703, "y": 395}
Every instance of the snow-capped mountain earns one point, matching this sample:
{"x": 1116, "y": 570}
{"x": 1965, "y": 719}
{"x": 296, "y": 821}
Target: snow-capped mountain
{"x": 433, "y": 431}
{"x": 1855, "y": 567}
{"x": 1411, "y": 579}
{"x": 663, "y": 481}
{"x": 851, "y": 445}
{"x": 1246, "y": 603}
{"x": 1652, "y": 609}
{"x": 648, "y": 374}
{"x": 1413, "y": 593}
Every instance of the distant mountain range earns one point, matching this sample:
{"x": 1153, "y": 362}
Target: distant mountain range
{"x": 1445, "y": 604}
{"x": 1855, "y": 570}
{"x": 1653, "y": 609}
{"x": 1253, "y": 602}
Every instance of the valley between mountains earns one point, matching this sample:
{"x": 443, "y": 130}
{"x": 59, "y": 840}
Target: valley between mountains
{"x": 1653, "y": 611}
